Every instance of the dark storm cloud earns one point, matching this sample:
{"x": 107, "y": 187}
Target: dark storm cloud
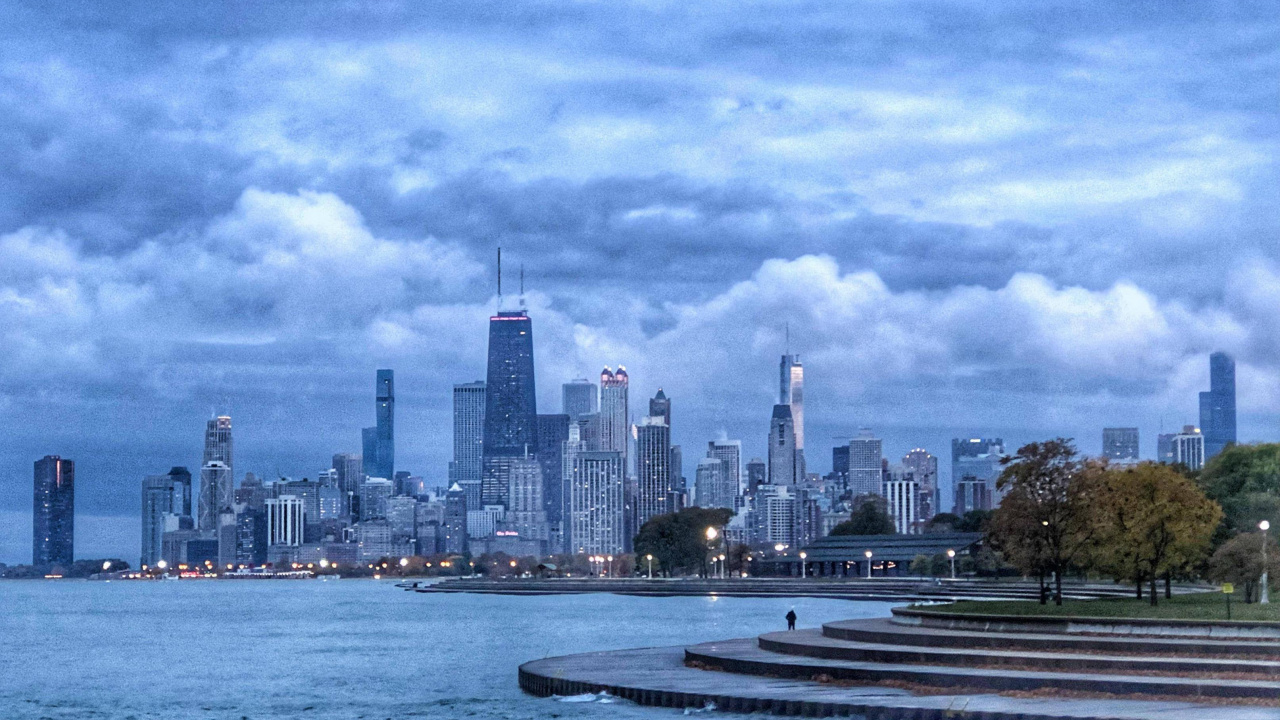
{"x": 1037, "y": 216}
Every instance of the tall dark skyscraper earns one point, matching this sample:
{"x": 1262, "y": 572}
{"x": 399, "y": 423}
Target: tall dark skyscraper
{"x": 385, "y": 434}
{"x": 553, "y": 431}
{"x": 782, "y": 447}
{"x": 660, "y": 406}
{"x": 217, "y": 441}
{"x": 468, "y": 439}
{"x": 654, "y": 488}
{"x": 510, "y": 402}
{"x": 1218, "y": 405}
{"x": 579, "y": 397}
{"x": 53, "y": 512}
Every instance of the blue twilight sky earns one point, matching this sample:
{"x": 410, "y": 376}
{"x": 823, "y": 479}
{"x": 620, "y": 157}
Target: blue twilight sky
{"x": 1012, "y": 218}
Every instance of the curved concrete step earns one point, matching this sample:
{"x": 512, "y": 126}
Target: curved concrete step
{"x": 883, "y": 631}
{"x": 746, "y": 657}
{"x": 658, "y": 677}
{"x": 812, "y": 643}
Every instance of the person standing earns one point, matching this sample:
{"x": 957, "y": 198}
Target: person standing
{"x": 791, "y": 619}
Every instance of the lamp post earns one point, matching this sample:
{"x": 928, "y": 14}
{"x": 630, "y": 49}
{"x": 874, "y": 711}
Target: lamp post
{"x": 868, "y": 554}
{"x": 951, "y": 555}
{"x": 803, "y": 555}
{"x": 610, "y": 566}
{"x": 722, "y": 558}
{"x": 650, "y": 559}
{"x": 711, "y": 539}
{"x": 1265, "y": 599}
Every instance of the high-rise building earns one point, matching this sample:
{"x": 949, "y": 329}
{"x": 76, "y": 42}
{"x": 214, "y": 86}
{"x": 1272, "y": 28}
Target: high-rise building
{"x": 924, "y": 466}
{"x": 161, "y": 499}
{"x": 511, "y": 412}
{"x": 553, "y": 431}
{"x": 730, "y": 453}
{"x": 777, "y": 509}
{"x": 468, "y": 438}
{"x": 902, "y": 494}
{"x": 1218, "y": 405}
{"x": 217, "y": 491}
{"x": 757, "y": 474}
{"x": 181, "y": 479}
{"x": 782, "y": 447}
{"x": 660, "y": 406}
{"x": 579, "y": 398}
{"x": 526, "y": 512}
{"x": 791, "y": 392}
{"x": 1189, "y": 448}
{"x": 284, "y": 520}
{"x": 374, "y": 493}
{"x": 866, "y": 464}
{"x": 654, "y": 488}
{"x": 975, "y": 467}
{"x": 678, "y": 496}
{"x": 840, "y": 464}
{"x": 712, "y": 486}
{"x": 217, "y": 441}
{"x": 596, "y": 501}
{"x": 615, "y": 430}
{"x": 1120, "y": 444}
{"x": 383, "y": 465}
{"x": 369, "y": 450}
{"x": 455, "y": 520}
{"x": 350, "y": 473}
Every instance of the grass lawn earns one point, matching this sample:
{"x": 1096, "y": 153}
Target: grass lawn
{"x": 1199, "y": 606}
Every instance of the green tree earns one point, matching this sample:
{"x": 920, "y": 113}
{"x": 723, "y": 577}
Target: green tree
{"x": 1245, "y": 481}
{"x": 972, "y": 521}
{"x": 678, "y": 541}
{"x": 1049, "y": 486}
{"x": 921, "y": 565}
{"x": 1239, "y": 561}
{"x": 868, "y": 518}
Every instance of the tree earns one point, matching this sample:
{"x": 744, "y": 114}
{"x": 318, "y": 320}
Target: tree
{"x": 1016, "y": 531}
{"x": 972, "y": 521}
{"x": 1149, "y": 522}
{"x": 1239, "y": 561}
{"x": 868, "y": 518}
{"x": 1245, "y": 481}
{"x": 1049, "y": 488}
{"x": 678, "y": 541}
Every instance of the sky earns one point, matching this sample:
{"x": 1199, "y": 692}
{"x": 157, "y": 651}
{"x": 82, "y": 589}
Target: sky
{"x": 977, "y": 218}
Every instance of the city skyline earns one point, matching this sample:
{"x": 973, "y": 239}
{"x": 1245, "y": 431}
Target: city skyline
{"x": 1045, "y": 235}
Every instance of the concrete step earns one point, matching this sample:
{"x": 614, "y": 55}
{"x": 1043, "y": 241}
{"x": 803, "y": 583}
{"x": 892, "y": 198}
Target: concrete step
{"x": 812, "y": 643}
{"x": 658, "y": 677}
{"x": 746, "y": 657}
{"x": 884, "y": 631}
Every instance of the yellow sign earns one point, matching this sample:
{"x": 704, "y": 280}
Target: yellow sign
{"x": 1228, "y": 588}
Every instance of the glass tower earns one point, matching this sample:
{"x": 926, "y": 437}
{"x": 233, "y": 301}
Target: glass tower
{"x": 385, "y": 435}
{"x": 53, "y": 512}
{"x": 510, "y": 402}
{"x": 1218, "y": 405}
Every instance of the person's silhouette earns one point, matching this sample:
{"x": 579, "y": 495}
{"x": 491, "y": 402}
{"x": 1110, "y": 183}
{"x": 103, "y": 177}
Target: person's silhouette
{"x": 791, "y": 619}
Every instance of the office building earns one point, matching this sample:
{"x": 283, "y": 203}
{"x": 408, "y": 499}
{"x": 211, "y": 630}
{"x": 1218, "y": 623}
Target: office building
{"x": 402, "y": 516}
{"x": 866, "y": 464}
{"x": 597, "y": 512}
{"x": 1120, "y": 445}
{"x": 579, "y": 397}
{"x": 782, "y": 447}
{"x": 712, "y": 485}
{"x": 975, "y": 467}
{"x": 757, "y": 475}
{"x": 350, "y": 473}
{"x": 158, "y": 502}
{"x": 677, "y": 478}
{"x": 217, "y": 441}
{"x": 217, "y": 491}
{"x": 840, "y": 465}
{"x": 660, "y": 406}
{"x": 373, "y": 538}
{"x": 374, "y": 494}
{"x": 791, "y": 392}
{"x": 1218, "y": 405}
{"x": 251, "y": 537}
{"x": 468, "y": 437}
{"x": 510, "y": 413}
{"x": 384, "y": 432}
{"x": 455, "y": 520}
{"x": 902, "y": 494}
{"x": 285, "y": 519}
{"x": 553, "y": 431}
{"x": 730, "y": 453}
{"x": 777, "y": 508}
{"x": 526, "y": 510}
{"x": 227, "y": 536}
{"x": 615, "y": 428}
{"x": 924, "y": 466}
{"x": 654, "y": 488}
{"x": 1188, "y": 447}
{"x": 369, "y": 449}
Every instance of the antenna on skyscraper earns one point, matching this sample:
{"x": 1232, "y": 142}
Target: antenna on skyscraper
{"x": 788, "y": 338}
{"x": 521, "y": 285}
{"x": 499, "y": 277}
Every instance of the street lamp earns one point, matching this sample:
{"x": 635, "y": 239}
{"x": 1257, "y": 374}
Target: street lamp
{"x": 404, "y": 562}
{"x": 722, "y": 566}
{"x": 1266, "y": 597}
{"x": 868, "y": 554}
{"x": 779, "y": 547}
{"x": 162, "y": 564}
{"x": 650, "y": 559}
{"x": 951, "y": 555}
{"x": 106, "y": 565}
{"x": 610, "y": 558}
{"x": 803, "y": 555}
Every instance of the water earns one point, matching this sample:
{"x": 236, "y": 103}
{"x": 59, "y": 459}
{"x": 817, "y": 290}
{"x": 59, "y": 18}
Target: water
{"x": 346, "y": 649}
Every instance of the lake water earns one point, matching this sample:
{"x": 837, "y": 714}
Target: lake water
{"x": 345, "y": 649}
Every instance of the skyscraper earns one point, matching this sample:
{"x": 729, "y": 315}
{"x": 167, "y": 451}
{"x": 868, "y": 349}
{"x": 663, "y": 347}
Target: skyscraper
{"x": 596, "y": 501}
{"x": 653, "y": 468}
{"x": 660, "y": 406}
{"x": 1189, "y": 447}
{"x": 217, "y": 441}
{"x": 468, "y": 438}
{"x": 901, "y": 492}
{"x": 511, "y": 411}
{"x": 385, "y": 435}
{"x": 553, "y": 431}
{"x": 350, "y": 473}
{"x": 578, "y": 398}
{"x": 53, "y": 512}
{"x": 782, "y": 447}
{"x": 526, "y": 507}
{"x": 1218, "y": 405}
{"x": 730, "y": 453}
{"x": 455, "y": 520}
{"x": 217, "y": 491}
{"x": 791, "y": 392}
{"x": 163, "y": 498}
{"x": 614, "y": 413}
{"x": 866, "y": 464}
{"x": 924, "y": 466}
{"x": 1120, "y": 444}
{"x": 975, "y": 466}
{"x": 757, "y": 474}
{"x": 712, "y": 486}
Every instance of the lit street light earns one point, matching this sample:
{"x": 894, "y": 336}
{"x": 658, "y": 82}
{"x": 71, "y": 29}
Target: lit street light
{"x": 951, "y": 555}
{"x": 722, "y": 558}
{"x": 106, "y": 565}
{"x": 868, "y": 554}
{"x": 803, "y": 555}
{"x": 1266, "y": 597}
{"x": 779, "y": 547}
{"x": 650, "y": 559}
{"x": 404, "y": 562}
